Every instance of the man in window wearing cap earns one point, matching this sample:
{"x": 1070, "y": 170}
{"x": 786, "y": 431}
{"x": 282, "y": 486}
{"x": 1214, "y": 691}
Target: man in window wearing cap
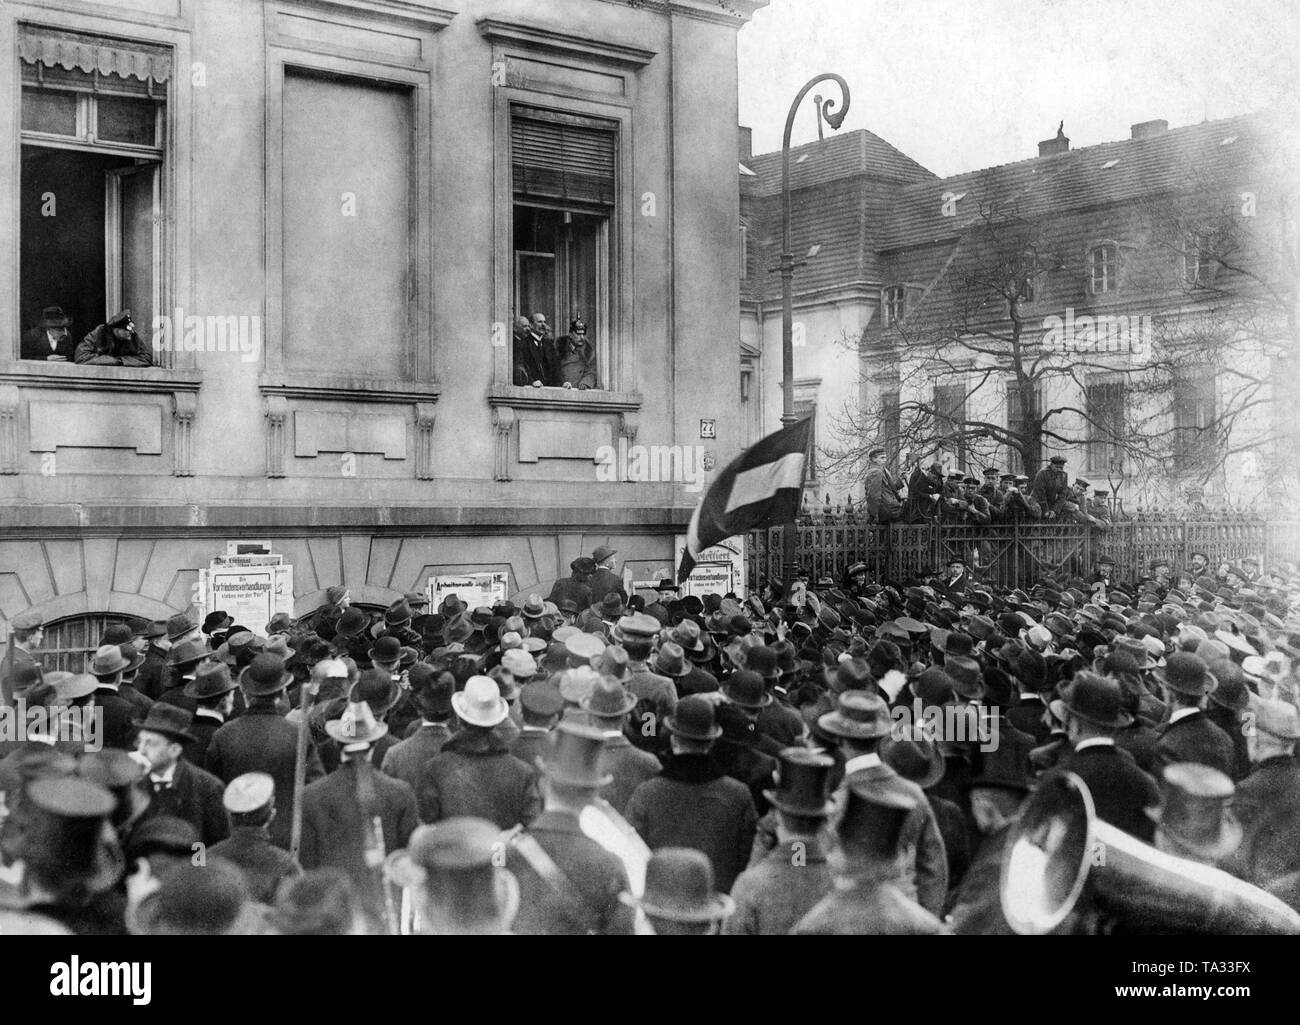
{"x": 339, "y": 812}
{"x": 1267, "y": 802}
{"x": 577, "y": 359}
{"x": 692, "y": 803}
{"x": 179, "y": 788}
{"x": 475, "y": 774}
{"x": 25, "y": 635}
{"x": 569, "y": 884}
{"x": 250, "y": 800}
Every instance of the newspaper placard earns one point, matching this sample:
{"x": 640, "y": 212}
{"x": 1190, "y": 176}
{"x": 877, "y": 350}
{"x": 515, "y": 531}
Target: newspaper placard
{"x": 251, "y": 595}
{"x": 474, "y": 589}
{"x": 248, "y": 548}
{"x": 720, "y": 568}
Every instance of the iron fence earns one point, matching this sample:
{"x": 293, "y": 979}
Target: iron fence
{"x": 1015, "y": 554}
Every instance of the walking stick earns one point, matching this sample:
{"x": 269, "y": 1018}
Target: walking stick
{"x": 309, "y": 690}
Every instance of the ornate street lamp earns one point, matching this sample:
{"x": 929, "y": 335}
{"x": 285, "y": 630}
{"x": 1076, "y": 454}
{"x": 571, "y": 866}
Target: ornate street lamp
{"x": 834, "y": 118}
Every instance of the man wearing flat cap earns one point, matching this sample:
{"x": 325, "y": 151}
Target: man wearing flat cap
{"x": 569, "y": 884}
{"x": 26, "y": 631}
{"x": 261, "y": 740}
{"x": 250, "y": 802}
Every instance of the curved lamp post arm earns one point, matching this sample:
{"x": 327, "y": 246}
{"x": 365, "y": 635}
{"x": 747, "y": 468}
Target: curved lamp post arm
{"x": 833, "y": 117}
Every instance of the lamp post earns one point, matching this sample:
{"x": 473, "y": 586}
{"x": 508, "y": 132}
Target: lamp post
{"x": 834, "y": 118}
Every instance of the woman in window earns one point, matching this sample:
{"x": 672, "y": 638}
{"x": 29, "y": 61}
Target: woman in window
{"x": 577, "y": 358}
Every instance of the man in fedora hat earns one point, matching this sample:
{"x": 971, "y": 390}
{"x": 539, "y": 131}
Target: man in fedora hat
{"x": 859, "y": 723}
{"x": 355, "y": 815}
{"x": 183, "y": 660}
{"x": 431, "y": 690}
{"x": 50, "y": 339}
{"x": 475, "y": 774}
{"x": 381, "y": 691}
{"x": 575, "y": 588}
{"x": 1189, "y": 735}
{"x": 569, "y": 884}
{"x": 776, "y": 719}
{"x": 261, "y": 740}
{"x": 680, "y": 898}
{"x": 117, "y": 713}
{"x": 692, "y": 802}
{"x": 773, "y": 894}
{"x": 608, "y": 708}
{"x": 250, "y": 802}
{"x": 603, "y": 580}
{"x": 1193, "y": 819}
{"x": 179, "y": 788}
{"x": 317, "y": 903}
{"x": 213, "y": 690}
{"x": 699, "y": 650}
{"x": 1092, "y": 708}
{"x": 742, "y": 751}
{"x": 208, "y": 900}
{"x": 150, "y": 678}
{"x": 871, "y": 892}
{"x": 451, "y": 871}
{"x": 1267, "y": 802}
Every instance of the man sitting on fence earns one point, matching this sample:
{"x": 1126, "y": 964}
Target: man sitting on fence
{"x": 882, "y": 489}
{"x": 925, "y": 491}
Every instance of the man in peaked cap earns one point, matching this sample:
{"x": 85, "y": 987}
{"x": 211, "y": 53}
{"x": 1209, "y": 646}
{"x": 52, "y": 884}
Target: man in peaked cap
{"x": 250, "y": 802}
{"x": 569, "y": 884}
{"x": 773, "y": 894}
{"x": 724, "y": 818}
{"x": 859, "y": 723}
{"x": 654, "y": 692}
{"x": 475, "y": 774}
{"x": 870, "y": 868}
{"x": 1092, "y": 708}
{"x": 1267, "y": 802}
{"x": 609, "y": 707}
{"x": 1189, "y": 735}
{"x": 339, "y": 811}
{"x": 179, "y": 788}
{"x": 261, "y": 740}
{"x": 541, "y": 705}
{"x": 27, "y": 630}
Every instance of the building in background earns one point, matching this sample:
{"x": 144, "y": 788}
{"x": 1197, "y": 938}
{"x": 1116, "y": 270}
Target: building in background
{"x": 1129, "y": 300}
{"x": 324, "y": 220}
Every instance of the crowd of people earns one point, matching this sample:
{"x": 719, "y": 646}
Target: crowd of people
{"x": 851, "y": 758}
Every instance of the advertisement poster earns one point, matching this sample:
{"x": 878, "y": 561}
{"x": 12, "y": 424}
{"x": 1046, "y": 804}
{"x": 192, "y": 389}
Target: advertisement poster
{"x": 474, "y": 589}
{"x": 719, "y": 569}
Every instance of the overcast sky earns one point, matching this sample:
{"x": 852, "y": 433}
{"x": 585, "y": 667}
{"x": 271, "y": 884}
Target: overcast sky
{"x": 964, "y": 84}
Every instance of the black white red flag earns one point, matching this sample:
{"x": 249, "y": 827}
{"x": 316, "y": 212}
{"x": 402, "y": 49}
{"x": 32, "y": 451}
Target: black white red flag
{"x": 760, "y": 488}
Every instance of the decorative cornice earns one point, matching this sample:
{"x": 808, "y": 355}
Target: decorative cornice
{"x": 72, "y": 377}
{"x": 741, "y": 11}
{"x": 592, "y": 401}
{"x": 414, "y": 11}
{"x": 349, "y": 389}
{"x": 535, "y": 37}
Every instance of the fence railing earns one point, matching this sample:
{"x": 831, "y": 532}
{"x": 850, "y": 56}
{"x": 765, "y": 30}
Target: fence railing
{"x": 1015, "y": 554}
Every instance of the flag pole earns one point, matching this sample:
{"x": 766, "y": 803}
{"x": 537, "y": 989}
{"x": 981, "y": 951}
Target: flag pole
{"x": 786, "y": 268}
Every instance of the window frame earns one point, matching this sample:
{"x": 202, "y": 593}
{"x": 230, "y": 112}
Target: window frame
{"x": 1112, "y": 267}
{"x": 1107, "y": 449}
{"x": 618, "y": 376}
{"x": 1015, "y": 462}
{"x": 961, "y": 451}
{"x": 1198, "y": 247}
{"x": 893, "y": 305}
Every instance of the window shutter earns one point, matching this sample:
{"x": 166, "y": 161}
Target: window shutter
{"x": 561, "y": 158}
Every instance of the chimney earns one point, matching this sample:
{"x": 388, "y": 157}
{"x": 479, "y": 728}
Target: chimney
{"x": 746, "y": 144}
{"x": 1059, "y": 144}
{"x": 1146, "y": 129}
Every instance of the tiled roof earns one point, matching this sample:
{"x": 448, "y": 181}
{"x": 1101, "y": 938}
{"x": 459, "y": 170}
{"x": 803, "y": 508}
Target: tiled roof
{"x": 838, "y": 156}
{"x": 1111, "y": 172}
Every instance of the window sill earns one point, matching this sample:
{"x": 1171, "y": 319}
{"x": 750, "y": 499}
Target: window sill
{"x": 593, "y": 400}
{"x": 350, "y": 389}
{"x": 83, "y": 377}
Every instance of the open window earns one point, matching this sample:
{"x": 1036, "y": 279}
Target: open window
{"x": 564, "y": 183}
{"x": 92, "y": 152}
